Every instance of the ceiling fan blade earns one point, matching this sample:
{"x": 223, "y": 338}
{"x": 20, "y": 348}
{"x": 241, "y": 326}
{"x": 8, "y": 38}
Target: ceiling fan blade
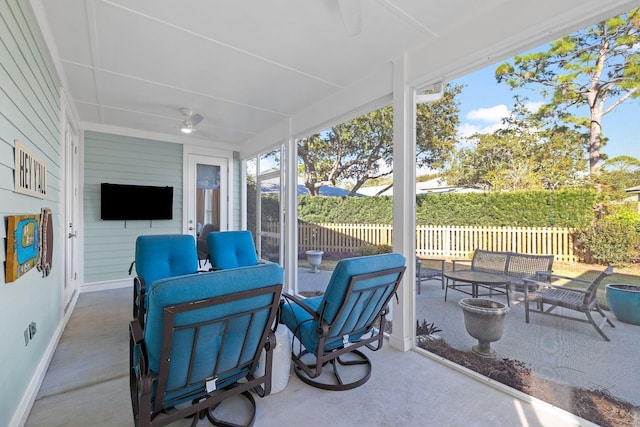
{"x": 351, "y": 11}
{"x": 195, "y": 119}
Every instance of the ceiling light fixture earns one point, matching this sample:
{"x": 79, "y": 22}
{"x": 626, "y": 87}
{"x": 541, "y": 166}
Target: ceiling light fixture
{"x": 190, "y": 121}
{"x": 186, "y": 128}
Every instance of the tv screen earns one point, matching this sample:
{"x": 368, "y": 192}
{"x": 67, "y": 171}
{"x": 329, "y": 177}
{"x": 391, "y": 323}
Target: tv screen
{"x": 134, "y": 202}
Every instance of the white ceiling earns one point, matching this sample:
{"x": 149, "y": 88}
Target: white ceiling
{"x": 248, "y": 66}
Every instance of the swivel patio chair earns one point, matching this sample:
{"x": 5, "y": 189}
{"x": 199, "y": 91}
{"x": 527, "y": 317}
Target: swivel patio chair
{"x": 582, "y": 300}
{"x": 231, "y": 249}
{"x": 201, "y": 344}
{"x": 351, "y": 314}
{"x": 158, "y": 257}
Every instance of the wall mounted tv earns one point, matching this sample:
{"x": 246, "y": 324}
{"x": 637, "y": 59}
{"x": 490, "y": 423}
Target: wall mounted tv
{"x": 135, "y": 202}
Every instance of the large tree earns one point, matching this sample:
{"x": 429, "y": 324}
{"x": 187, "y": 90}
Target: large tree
{"x": 522, "y": 155}
{"x": 620, "y": 173}
{"x": 597, "y": 68}
{"x": 362, "y": 149}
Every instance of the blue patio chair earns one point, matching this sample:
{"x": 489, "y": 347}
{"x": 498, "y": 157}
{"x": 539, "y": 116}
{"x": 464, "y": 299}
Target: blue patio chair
{"x": 351, "y": 314}
{"x": 201, "y": 343}
{"x": 158, "y": 257}
{"x": 231, "y": 249}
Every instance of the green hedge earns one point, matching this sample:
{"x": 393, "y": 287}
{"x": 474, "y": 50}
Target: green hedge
{"x": 564, "y": 208}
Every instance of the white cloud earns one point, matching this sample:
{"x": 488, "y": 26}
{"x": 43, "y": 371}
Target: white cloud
{"x": 488, "y": 120}
{"x": 489, "y": 115}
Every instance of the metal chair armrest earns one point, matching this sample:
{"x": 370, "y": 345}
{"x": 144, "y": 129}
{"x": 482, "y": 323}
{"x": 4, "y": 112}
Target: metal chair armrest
{"x": 136, "y": 331}
{"x": 300, "y": 302}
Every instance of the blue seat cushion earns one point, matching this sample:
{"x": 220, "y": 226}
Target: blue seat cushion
{"x": 165, "y": 255}
{"x": 231, "y": 249}
{"x": 304, "y": 327}
{"x": 195, "y": 287}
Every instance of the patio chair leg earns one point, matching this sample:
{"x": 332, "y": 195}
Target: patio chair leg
{"x": 595, "y": 325}
{"x": 605, "y": 316}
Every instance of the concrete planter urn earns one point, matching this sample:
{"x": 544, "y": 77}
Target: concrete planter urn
{"x": 484, "y": 320}
{"x": 315, "y": 259}
{"x": 624, "y": 301}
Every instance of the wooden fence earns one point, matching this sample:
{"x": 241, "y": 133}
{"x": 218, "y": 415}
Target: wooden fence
{"x": 442, "y": 241}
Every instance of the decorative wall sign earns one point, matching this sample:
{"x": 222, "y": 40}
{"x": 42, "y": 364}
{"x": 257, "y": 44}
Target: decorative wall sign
{"x": 45, "y": 253}
{"x": 30, "y": 173}
{"x": 23, "y": 239}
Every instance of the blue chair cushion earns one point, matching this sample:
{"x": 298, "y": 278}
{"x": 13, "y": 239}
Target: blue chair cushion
{"x": 231, "y": 249}
{"x": 165, "y": 255}
{"x": 326, "y": 306}
{"x": 195, "y": 287}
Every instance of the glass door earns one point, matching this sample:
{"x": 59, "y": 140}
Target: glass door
{"x": 206, "y": 194}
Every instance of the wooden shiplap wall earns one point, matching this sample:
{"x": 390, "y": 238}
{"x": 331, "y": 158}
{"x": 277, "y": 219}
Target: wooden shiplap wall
{"x": 109, "y": 246}
{"x": 30, "y": 113}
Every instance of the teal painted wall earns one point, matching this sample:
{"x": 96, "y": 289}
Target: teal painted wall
{"x": 109, "y": 246}
{"x": 30, "y": 113}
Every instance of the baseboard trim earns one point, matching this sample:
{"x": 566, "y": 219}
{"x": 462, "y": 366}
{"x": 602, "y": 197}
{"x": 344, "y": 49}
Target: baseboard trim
{"x": 106, "y": 285}
{"x": 23, "y": 410}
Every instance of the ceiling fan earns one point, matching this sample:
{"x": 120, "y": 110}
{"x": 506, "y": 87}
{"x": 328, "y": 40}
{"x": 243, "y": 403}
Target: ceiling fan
{"x": 190, "y": 121}
{"x": 351, "y": 12}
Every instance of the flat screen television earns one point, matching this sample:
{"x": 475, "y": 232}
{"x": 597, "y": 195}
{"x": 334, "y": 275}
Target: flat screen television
{"x": 135, "y": 202}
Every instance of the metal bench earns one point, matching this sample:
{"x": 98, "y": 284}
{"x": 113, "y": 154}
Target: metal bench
{"x": 515, "y": 265}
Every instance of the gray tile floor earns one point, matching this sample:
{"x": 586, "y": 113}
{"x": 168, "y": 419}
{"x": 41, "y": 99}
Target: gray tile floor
{"x": 87, "y": 385}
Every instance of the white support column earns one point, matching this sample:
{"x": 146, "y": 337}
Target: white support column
{"x": 404, "y": 204}
{"x": 290, "y": 211}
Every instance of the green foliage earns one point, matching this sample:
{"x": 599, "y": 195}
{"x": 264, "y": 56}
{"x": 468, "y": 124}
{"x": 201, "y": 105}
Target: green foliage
{"x": 361, "y": 149}
{"x": 374, "y": 250}
{"x": 564, "y": 208}
{"x": 618, "y": 174}
{"x": 425, "y": 328}
{"x": 341, "y": 210}
{"x": 611, "y": 240}
{"x": 524, "y": 155}
{"x": 596, "y": 68}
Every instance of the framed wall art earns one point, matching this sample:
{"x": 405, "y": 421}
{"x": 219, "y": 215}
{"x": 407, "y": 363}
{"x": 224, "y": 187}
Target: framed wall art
{"x": 23, "y": 240}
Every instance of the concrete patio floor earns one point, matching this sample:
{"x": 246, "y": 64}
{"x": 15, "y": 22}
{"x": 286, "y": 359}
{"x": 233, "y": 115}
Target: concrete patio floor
{"x": 565, "y": 351}
{"x": 87, "y": 383}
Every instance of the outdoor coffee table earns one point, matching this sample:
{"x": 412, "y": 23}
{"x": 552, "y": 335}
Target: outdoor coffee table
{"x": 477, "y": 280}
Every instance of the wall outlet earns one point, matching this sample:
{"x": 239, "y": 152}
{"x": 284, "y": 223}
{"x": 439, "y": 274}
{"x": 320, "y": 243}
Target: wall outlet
{"x": 27, "y": 336}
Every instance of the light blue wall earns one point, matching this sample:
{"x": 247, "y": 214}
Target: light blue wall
{"x": 109, "y": 246}
{"x": 30, "y": 113}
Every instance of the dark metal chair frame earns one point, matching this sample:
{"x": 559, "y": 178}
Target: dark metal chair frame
{"x": 581, "y": 300}
{"x": 374, "y": 325}
{"x": 428, "y": 273}
{"x": 143, "y": 381}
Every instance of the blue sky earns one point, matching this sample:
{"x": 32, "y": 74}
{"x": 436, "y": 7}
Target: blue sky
{"x": 483, "y": 102}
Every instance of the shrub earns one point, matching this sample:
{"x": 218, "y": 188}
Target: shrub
{"x": 374, "y": 250}
{"x": 610, "y": 241}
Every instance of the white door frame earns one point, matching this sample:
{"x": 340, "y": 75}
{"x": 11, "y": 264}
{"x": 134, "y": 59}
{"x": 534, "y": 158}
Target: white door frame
{"x": 72, "y": 225}
{"x": 189, "y": 184}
